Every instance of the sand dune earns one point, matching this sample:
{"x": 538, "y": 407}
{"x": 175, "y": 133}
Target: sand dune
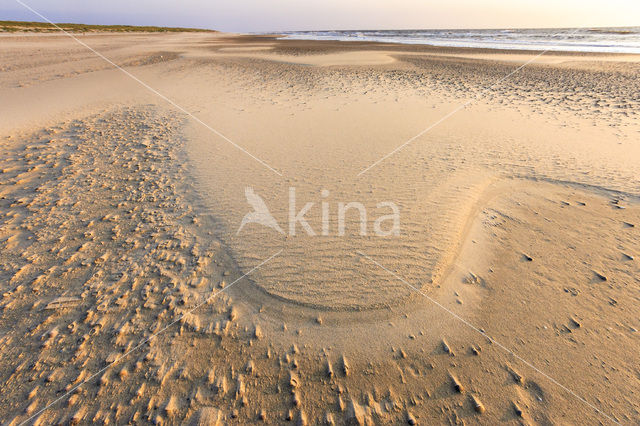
{"x": 509, "y": 296}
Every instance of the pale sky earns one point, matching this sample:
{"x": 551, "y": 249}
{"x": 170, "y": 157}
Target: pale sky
{"x": 281, "y": 15}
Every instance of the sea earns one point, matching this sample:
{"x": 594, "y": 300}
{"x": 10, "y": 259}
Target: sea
{"x": 609, "y": 40}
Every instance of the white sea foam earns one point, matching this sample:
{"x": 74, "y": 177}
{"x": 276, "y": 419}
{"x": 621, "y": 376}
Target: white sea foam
{"x": 610, "y": 40}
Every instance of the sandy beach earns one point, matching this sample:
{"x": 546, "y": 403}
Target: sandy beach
{"x": 131, "y": 294}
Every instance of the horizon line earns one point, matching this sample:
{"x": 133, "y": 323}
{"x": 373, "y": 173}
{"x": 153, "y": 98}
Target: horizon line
{"x": 280, "y": 31}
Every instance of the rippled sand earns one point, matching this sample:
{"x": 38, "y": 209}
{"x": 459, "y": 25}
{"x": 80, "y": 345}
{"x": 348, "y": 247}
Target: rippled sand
{"x": 510, "y": 293}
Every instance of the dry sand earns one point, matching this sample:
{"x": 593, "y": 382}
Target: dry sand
{"x": 510, "y": 296}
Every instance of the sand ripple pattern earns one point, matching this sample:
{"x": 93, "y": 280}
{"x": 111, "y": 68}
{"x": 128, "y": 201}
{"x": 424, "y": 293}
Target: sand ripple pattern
{"x": 326, "y": 272}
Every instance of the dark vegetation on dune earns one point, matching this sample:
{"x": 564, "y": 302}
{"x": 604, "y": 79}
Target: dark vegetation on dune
{"x": 16, "y": 26}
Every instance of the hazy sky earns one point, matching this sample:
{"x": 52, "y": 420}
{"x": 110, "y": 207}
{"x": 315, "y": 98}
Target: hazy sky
{"x": 275, "y": 15}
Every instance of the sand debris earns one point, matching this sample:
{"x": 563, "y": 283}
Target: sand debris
{"x": 78, "y": 416}
{"x": 575, "y": 323}
{"x": 599, "y": 276}
{"x": 220, "y": 386}
{"x": 233, "y": 313}
{"x": 297, "y": 400}
{"x": 240, "y": 387}
{"x": 457, "y": 385}
{"x": 517, "y": 377}
{"x": 329, "y": 419}
{"x": 345, "y": 366}
{"x": 257, "y": 332}
{"x": 329, "y": 368}
{"x": 62, "y": 302}
{"x": 355, "y": 414}
{"x": 294, "y": 380}
{"x": 477, "y": 404}
{"x": 516, "y": 408}
{"x": 206, "y": 416}
{"x": 447, "y": 348}
{"x": 172, "y": 406}
{"x": 302, "y": 419}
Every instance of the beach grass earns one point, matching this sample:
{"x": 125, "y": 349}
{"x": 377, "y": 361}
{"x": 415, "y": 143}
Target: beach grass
{"x": 23, "y": 26}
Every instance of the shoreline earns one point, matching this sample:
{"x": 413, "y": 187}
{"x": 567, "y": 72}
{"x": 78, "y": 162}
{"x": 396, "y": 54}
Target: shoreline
{"x": 428, "y": 48}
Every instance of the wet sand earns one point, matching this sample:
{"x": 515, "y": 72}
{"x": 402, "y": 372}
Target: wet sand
{"x": 509, "y": 296}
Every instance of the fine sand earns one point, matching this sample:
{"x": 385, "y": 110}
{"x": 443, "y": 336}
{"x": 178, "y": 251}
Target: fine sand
{"x": 509, "y": 295}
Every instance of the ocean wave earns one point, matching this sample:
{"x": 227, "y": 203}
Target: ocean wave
{"x": 609, "y": 40}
